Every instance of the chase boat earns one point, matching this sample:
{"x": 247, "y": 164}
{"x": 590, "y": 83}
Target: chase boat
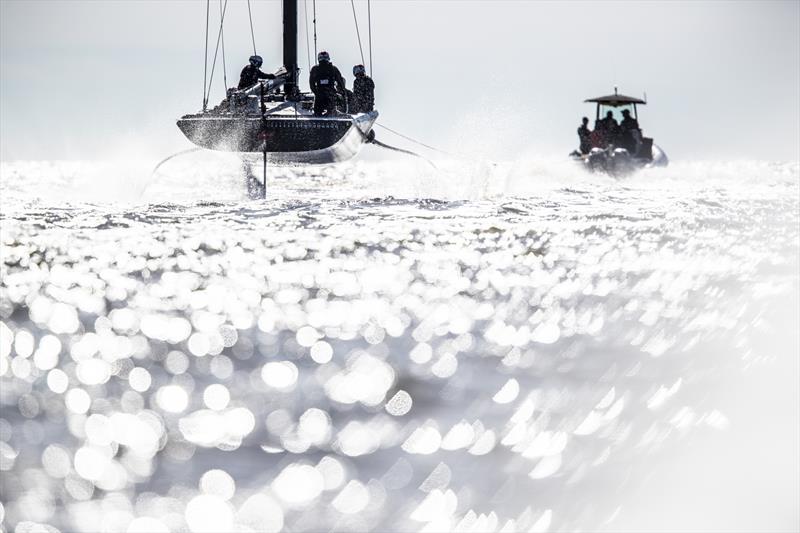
{"x": 614, "y": 151}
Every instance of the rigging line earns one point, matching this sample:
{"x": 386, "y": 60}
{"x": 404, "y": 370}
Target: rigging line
{"x": 369, "y": 34}
{"x": 314, "y": 6}
{"x": 416, "y": 141}
{"x": 214, "y": 63}
{"x": 252, "y": 34}
{"x": 308, "y": 47}
{"x": 205, "y": 67}
{"x": 429, "y": 147}
{"x": 224, "y": 65}
{"x": 358, "y": 34}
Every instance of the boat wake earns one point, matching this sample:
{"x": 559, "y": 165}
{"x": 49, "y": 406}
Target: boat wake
{"x": 221, "y": 176}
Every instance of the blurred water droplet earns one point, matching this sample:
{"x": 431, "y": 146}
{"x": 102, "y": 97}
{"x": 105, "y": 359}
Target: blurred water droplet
{"x": 399, "y": 404}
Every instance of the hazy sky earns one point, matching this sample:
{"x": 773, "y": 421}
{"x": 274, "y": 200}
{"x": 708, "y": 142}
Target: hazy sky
{"x": 85, "y": 79}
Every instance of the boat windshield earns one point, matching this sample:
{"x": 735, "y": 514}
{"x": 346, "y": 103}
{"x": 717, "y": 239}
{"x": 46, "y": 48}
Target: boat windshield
{"x": 616, "y": 111}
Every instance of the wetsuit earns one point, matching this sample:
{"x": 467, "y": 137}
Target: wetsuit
{"x": 325, "y": 81}
{"x": 363, "y": 94}
{"x": 250, "y": 76}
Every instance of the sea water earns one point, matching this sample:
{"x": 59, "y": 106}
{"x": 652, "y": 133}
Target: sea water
{"x": 398, "y": 346}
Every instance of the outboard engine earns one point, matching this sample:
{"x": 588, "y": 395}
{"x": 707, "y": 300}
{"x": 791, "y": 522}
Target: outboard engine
{"x": 621, "y": 154}
{"x": 597, "y": 159}
{"x": 621, "y": 162}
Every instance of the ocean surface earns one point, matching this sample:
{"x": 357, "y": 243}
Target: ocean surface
{"x": 390, "y": 346}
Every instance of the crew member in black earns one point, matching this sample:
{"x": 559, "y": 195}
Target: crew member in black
{"x": 363, "y": 91}
{"x": 628, "y": 122}
{"x": 630, "y": 133}
{"x": 610, "y": 128}
{"x": 252, "y": 73}
{"x": 610, "y": 123}
{"x": 326, "y": 83}
{"x": 584, "y": 135}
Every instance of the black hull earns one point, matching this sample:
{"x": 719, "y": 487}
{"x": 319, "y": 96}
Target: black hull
{"x": 300, "y": 139}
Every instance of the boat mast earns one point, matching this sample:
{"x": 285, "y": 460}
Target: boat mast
{"x": 290, "y": 49}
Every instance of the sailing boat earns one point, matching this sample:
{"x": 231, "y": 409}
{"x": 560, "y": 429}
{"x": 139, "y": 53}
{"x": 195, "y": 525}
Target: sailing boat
{"x": 280, "y": 125}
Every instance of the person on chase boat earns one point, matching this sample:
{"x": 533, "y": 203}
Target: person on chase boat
{"x": 252, "y": 73}
{"x": 326, "y": 83}
{"x": 630, "y": 132}
{"x": 584, "y": 136}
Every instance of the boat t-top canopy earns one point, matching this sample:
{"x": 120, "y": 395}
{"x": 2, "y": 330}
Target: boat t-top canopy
{"x": 616, "y": 100}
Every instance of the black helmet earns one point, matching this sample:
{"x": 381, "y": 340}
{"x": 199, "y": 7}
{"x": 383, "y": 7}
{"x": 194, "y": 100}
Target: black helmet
{"x": 256, "y": 61}
{"x": 359, "y": 69}
{"x": 323, "y": 57}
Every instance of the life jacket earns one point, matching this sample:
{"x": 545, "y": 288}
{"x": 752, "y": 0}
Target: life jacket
{"x": 325, "y": 78}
